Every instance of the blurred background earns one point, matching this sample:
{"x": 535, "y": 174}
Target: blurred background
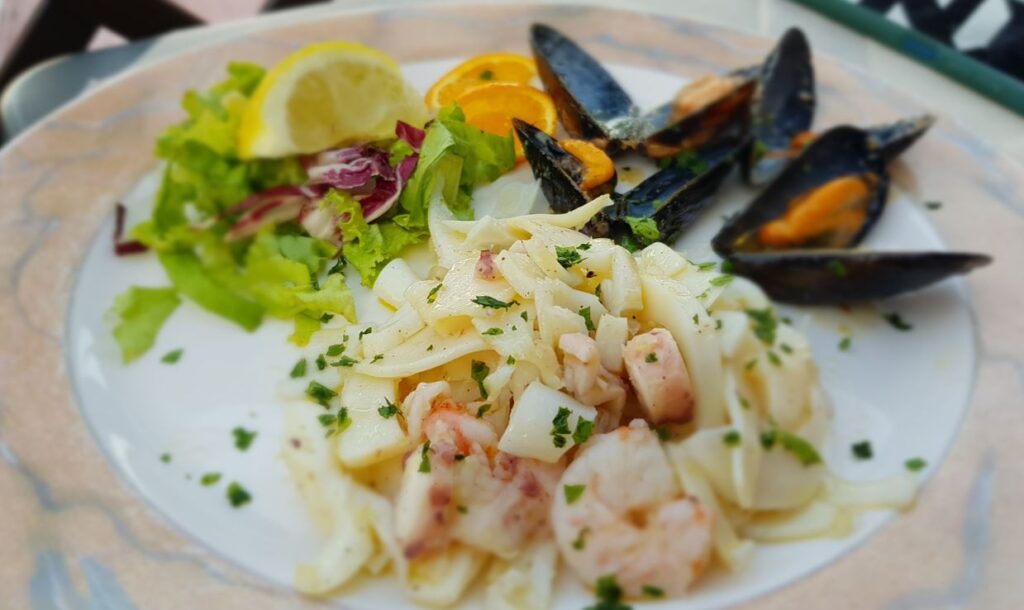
{"x": 53, "y": 50}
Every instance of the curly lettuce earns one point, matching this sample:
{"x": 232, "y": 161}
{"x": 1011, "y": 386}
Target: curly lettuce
{"x": 138, "y": 314}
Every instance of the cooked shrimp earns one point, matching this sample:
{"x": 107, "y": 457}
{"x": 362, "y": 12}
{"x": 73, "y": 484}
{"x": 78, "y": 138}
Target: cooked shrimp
{"x": 416, "y": 405}
{"x": 461, "y": 487}
{"x": 658, "y": 374}
{"x": 589, "y": 382}
{"x": 632, "y": 518}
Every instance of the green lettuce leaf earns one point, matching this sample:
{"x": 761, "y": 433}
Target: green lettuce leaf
{"x": 280, "y": 274}
{"x": 139, "y": 314}
{"x": 462, "y": 157}
{"x": 203, "y": 169}
{"x": 192, "y": 280}
{"x": 305, "y": 328}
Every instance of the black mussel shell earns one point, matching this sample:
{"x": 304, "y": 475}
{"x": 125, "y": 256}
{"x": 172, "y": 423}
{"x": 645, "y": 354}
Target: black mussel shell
{"x": 560, "y": 174}
{"x": 838, "y": 277}
{"x": 591, "y": 104}
{"x": 727, "y": 117}
{"x": 676, "y": 195}
{"x": 841, "y": 151}
{"x": 782, "y": 107}
{"x": 890, "y": 140}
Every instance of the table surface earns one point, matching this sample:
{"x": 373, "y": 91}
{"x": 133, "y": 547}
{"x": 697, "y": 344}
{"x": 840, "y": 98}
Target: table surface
{"x": 991, "y": 123}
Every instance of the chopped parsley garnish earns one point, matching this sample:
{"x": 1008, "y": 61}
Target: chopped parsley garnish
{"x": 525, "y": 317}
{"x": 583, "y": 246}
{"x": 687, "y": 159}
{"x": 485, "y": 301}
{"x": 731, "y": 438}
{"x": 915, "y": 464}
{"x": 493, "y": 332}
{"x": 727, "y": 266}
{"x": 663, "y": 433}
{"x": 897, "y": 322}
{"x": 365, "y": 331}
{"x": 210, "y": 478}
{"x": 479, "y": 371}
{"x": 165, "y": 458}
{"x": 573, "y": 492}
{"x": 845, "y": 343}
{"x": 650, "y": 358}
{"x": 321, "y": 362}
{"x": 432, "y": 295}
{"x": 744, "y": 403}
{"x": 585, "y": 313}
{"x": 425, "y": 458}
{"x": 335, "y": 424}
{"x": 560, "y": 427}
{"x": 804, "y": 451}
{"x": 774, "y": 358}
{"x": 484, "y": 408}
{"x": 721, "y": 280}
{"x": 584, "y": 429}
{"x": 487, "y": 75}
{"x": 327, "y": 317}
{"x": 430, "y": 347}
{"x": 510, "y": 361}
{"x": 786, "y": 349}
{"x": 933, "y": 205}
{"x": 389, "y": 409}
{"x": 862, "y": 450}
{"x": 237, "y": 495}
{"x": 299, "y": 370}
{"x": 377, "y": 358}
{"x": 759, "y": 148}
{"x": 320, "y": 393}
{"x": 644, "y": 229}
{"x": 764, "y": 324}
{"x": 652, "y": 591}
{"x": 750, "y": 364}
{"x": 718, "y": 324}
{"x": 344, "y": 361}
{"x": 335, "y": 350}
{"x": 462, "y": 509}
{"x": 837, "y": 268}
{"x": 609, "y": 595}
{"x": 708, "y": 266}
{"x": 580, "y": 543}
{"x": 696, "y": 319}
{"x": 243, "y": 437}
{"x": 172, "y": 356}
{"x": 567, "y": 256}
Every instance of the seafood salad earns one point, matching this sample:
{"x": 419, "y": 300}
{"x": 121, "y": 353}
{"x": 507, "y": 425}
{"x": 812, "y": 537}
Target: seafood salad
{"x": 545, "y": 390}
{"x": 555, "y": 399}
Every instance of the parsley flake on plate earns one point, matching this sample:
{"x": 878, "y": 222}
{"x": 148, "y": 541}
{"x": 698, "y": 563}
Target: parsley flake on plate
{"x": 173, "y": 356}
{"x": 243, "y": 438}
{"x": 238, "y": 495}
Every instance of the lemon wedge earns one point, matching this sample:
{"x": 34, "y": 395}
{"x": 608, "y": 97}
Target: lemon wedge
{"x": 327, "y": 94}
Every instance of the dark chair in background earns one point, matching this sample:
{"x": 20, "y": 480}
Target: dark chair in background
{"x": 47, "y": 67}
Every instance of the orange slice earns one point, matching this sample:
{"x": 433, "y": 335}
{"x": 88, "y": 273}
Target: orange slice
{"x": 491, "y": 107}
{"x": 482, "y": 69}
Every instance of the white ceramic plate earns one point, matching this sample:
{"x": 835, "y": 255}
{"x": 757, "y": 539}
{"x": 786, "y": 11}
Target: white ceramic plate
{"x": 228, "y": 378}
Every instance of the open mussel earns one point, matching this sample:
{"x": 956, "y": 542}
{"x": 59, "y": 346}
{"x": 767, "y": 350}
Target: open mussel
{"x": 781, "y": 109}
{"x": 795, "y": 239}
{"x": 673, "y": 197}
{"x": 841, "y": 277}
{"x": 709, "y": 108}
{"x": 567, "y": 180}
{"x": 828, "y": 198}
{"x": 591, "y": 104}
